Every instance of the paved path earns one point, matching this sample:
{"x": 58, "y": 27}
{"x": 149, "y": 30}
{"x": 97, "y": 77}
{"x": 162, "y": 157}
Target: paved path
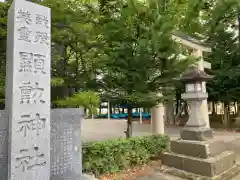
{"x": 235, "y": 146}
{"x": 160, "y": 176}
{"x": 111, "y": 129}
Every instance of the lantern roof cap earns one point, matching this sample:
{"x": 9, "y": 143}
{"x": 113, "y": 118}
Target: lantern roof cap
{"x": 195, "y": 75}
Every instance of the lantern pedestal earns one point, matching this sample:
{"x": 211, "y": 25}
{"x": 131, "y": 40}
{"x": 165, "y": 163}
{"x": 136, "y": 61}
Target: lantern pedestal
{"x": 194, "y": 100}
{"x": 197, "y": 153}
{"x": 196, "y": 134}
{"x": 204, "y": 158}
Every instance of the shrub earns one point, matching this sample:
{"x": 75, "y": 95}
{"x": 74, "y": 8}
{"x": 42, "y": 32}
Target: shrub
{"x": 115, "y": 155}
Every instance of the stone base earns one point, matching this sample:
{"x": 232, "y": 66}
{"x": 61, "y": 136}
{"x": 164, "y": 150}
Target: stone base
{"x": 226, "y": 175}
{"x": 210, "y": 167}
{"x": 196, "y": 134}
{"x": 200, "y": 149}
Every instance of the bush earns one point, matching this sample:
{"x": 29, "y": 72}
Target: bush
{"x": 115, "y": 155}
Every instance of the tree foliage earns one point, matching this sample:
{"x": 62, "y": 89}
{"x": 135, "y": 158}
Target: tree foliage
{"x": 140, "y": 56}
{"x": 87, "y": 99}
{"x": 123, "y": 50}
{"x": 225, "y": 55}
{"x": 219, "y": 23}
{"x": 3, "y": 36}
{"x": 139, "y": 53}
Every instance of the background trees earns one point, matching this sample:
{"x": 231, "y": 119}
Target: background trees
{"x": 222, "y": 30}
{"x": 3, "y": 36}
{"x": 140, "y": 57}
{"x": 122, "y": 50}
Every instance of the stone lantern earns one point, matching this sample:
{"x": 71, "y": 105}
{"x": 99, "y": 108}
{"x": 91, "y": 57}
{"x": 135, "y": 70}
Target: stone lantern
{"x": 196, "y": 153}
{"x": 194, "y": 95}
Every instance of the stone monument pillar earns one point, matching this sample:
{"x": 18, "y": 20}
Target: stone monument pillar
{"x": 28, "y": 91}
{"x": 140, "y": 116}
{"x": 157, "y": 116}
{"x": 158, "y": 119}
{"x": 197, "y": 151}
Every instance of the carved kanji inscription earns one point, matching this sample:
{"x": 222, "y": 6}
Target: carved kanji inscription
{"x": 25, "y": 61}
{"x": 28, "y": 160}
{"x": 42, "y": 38}
{"x": 31, "y": 94}
{"x": 24, "y": 17}
{"x": 42, "y": 20}
{"x": 38, "y": 64}
{"x": 24, "y": 34}
{"x": 28, "y": 124}
{"x": 30, "y": 62}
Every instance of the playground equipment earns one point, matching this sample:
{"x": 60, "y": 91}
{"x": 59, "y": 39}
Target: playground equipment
{"x": 145, "y": 115}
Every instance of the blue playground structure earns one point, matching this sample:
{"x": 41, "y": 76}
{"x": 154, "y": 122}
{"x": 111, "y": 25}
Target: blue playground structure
{"x": 122, "y": 114}
{"x": 125, "y": 115}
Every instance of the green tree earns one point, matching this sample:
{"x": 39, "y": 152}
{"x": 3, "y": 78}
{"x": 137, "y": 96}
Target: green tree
{"x": 87, "y": 99}
{"x": 75, "y": 58}
{"x": 140, "y": 56}
{"x": 215, "y": 21}
{"x": 75, "y": 62}
{"x": 3, "y": 39}
{"x": 221, "y": 30}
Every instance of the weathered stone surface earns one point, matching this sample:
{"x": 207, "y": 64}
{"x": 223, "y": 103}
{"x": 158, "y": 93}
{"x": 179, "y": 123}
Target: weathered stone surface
{"x": 66, "y": 163}
{"x": 28, "y": 91}
{"x": 196, "y": 134}
{"x": 200, "y": 149}
{"x": 65, "y": 142}
{"x": 194, "y": 100}
{"x": 206, "y": 167}
{"x": 223, "y": 162}
{"x": 3, "y": 146}
{"x": 215, "y": 147}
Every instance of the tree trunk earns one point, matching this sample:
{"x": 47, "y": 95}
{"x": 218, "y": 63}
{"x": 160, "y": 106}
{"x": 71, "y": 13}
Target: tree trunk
{"x": 185, "y": 109}
{"x": 213, "y": 108}
{"x": 180, "y": 111}
{"x": 176, "y": 110}
{"x": 238, "y": 29}
{"x": 237, "y": 119}
{"x": 238, "y": 109}
{"x": 235, "y": 107}
{"x": 129, "y": 123}
{"x": 169, "y": 113}
{"x": 86, "y": 113}
{"x": 177, "y": 106}
{"x": 226, "y": 116}
{"x": 111, "y": 108}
